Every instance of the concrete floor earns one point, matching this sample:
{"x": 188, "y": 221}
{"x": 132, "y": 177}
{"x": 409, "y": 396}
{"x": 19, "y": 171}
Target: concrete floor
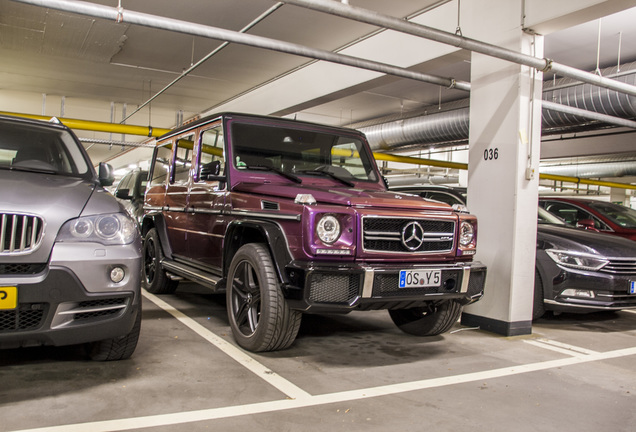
{"x": 356, "y": 372}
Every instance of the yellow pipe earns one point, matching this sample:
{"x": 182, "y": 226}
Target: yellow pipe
{"x": 419, "y": 161}
{"x": 156, "y": 132}
{"x": 586, "y": 181}
{"x": 147, "y": 131}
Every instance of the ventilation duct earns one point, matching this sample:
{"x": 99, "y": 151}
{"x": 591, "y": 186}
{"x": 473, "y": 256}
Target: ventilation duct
{"x": 593, "y": 170}
{"x": 449, "y": 127}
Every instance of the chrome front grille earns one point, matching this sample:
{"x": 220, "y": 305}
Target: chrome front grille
{"x": 19, "y": 234}
{"x": 389, "y": 235}
{"x": 620, "y": 266}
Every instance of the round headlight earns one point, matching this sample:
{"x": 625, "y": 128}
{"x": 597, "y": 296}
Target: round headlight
{"x": 107, "y": 226}
{"x": 466, "y": 233}
{"x": 328, "y": 229}
{"x": 82, "y": 228}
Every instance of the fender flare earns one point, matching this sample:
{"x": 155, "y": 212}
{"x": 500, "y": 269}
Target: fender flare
{"x": 156, "y": 220}
{"x": 275, "y": 239}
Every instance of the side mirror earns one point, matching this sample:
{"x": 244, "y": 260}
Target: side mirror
{"x": 106, "y": 174}
{"x": 211, "y": 171}
{"x": 587, "y": 224}
{"x": 123, "y": 194}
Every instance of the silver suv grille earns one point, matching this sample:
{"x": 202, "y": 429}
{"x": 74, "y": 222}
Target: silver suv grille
{"x": 19, "y": 234}
{"x": 402, "y": 235}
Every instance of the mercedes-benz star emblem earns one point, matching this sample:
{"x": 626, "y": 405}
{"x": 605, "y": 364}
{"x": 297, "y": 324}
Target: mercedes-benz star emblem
{"x": 412, "y": 236}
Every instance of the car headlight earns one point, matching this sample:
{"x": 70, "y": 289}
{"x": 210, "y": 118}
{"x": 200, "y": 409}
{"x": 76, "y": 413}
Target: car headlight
{"x": 577, "y": 260}
{"x": 466, "y": 233}
{"x": 107, "y": 229}
{"x": 328, "y": 229}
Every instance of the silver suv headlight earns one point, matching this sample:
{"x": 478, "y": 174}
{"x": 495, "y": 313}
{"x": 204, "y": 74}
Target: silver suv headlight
{"x": 107, "y": 229}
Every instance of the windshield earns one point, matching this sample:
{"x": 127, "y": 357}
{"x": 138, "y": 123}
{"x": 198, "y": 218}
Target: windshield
{"x": 28, "y": 147}
{"x": 301, "y": 153}
{"x": 547, "y": 218}
{"x": 620, "y": 215}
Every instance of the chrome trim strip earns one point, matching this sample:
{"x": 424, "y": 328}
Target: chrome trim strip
{"x": 92, "y": 309}
{"x": 205, "y": 211}
{"x": 247, "y": 213}
{"x": 553, "y": 302}
{"x": 367, "y": 287}
{"x": 465, "y": 280}
{"x": 175, "y": 209}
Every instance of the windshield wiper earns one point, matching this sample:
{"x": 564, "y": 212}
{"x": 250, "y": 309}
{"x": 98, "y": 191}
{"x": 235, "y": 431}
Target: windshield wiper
{"x": 33, "y": 170}
{"x": 324, "y": 171}
{"x": 287, "y": 175}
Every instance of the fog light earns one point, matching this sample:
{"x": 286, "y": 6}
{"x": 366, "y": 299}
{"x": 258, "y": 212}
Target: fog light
{"x": 117, "y": 274}
{"x": 578, "y": 293}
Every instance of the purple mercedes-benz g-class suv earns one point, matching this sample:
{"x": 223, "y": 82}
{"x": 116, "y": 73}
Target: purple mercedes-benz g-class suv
{"x": 289, "y": 217}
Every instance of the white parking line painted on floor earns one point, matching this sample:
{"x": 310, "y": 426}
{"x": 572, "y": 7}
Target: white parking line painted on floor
{"x": 629, "y": 311}
{"x": 289, "y": 389}
{"x": 560, "y": 347}
{"x": 346, "y": 396}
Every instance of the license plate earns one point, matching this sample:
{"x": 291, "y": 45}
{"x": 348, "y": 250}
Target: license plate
{"x": 420, "y": 278}
{"x": 8, "y": 297}
{"x": 632, "y": 287}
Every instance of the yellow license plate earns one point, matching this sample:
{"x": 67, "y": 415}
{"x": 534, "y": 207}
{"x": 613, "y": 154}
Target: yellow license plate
{"x": 8, "y": 297}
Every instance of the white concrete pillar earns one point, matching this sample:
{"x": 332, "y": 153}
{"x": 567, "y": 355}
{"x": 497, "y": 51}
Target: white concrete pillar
{"x": 504, "y": 144}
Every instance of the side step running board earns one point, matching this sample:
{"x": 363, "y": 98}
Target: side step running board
{"x": 193, "y": 274}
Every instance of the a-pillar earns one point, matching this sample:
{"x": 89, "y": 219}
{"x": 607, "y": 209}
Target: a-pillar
{"x": 504, "y": 144}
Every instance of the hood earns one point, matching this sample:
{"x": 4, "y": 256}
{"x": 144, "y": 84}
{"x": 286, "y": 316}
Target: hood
{"x": 345, "y": 196}
{"x": 55, "y": 199}
{"x": 574, "y": 239}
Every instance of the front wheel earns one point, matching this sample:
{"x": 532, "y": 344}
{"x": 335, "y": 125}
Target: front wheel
{"x": 258, "y": 313}
{"x": 119, "y": 348}
{"x": 430, "y": 320}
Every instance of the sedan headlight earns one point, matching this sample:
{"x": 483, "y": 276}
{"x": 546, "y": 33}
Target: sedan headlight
{"x": 577, "y": 260}
{"x": 466, "y": 233}
{"x": 328, "y": 229}
{"x": 108, "y": 229}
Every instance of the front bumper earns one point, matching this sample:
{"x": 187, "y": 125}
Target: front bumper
{"x": 72, "y": 300}
{"x": 589, "y": 292}
{"x": 341, "y": 288}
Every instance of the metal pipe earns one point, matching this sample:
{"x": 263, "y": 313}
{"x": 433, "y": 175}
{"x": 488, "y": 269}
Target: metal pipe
{"x": 389, "y": 22}
{"x": 204, "y": 59}
{"x": 147, "y": 131}
{"x": 588, "y": 114}
{"x": 163, "y": 23}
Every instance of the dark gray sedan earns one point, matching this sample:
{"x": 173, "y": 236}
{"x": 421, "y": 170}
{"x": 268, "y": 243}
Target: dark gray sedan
{"x": 582, "y": 271}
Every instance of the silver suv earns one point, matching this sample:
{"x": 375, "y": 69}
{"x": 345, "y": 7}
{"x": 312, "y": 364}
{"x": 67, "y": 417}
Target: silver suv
{"x": 70, "y": 256}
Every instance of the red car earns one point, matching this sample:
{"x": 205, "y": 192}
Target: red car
{"x": 594, "y": 215}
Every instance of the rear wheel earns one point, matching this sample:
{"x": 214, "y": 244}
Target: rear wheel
{"x": 258, "y": 313}
{"x": 155, "y": 279}
{"x": 431, "y": 320}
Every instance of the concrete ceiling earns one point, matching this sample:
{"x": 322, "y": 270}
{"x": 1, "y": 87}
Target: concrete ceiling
{"x": 79, "y": 58}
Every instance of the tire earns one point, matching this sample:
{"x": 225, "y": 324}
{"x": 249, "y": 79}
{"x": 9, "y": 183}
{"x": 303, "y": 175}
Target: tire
{"x": 538, "y": 307}
{"x": 258, "y": 313}
{"x": 154, "y": 278}
{"x": 427, "y": 321}
{"x": 119, "y": 348}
